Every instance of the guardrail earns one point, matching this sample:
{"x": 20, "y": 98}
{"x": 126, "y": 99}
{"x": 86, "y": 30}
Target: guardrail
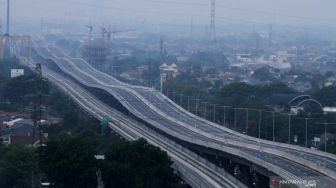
{"x": 278, "y": 171}
{"x": 288, "y": 146}
{"x": 330, "y": 173}
{"x": 186, "y": 173}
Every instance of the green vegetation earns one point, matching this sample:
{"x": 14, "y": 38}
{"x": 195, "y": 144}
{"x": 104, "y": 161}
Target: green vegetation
{"x": 17, "y": 165}
{"x": 326, "y": 96}
{"x": 7, "y": 65}
{"x": 68, "y": 160}
{"x": 242, "y": 96}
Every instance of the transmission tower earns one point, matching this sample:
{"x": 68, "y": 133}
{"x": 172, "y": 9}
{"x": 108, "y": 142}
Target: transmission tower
{"x": 8, "y": 18}
{"x": 212, "y": 32}
{"x": 37, "y": 110}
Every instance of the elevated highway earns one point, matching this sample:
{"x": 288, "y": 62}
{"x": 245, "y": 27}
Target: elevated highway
{"x": 289, "y": 162}
{"x": 195, "y": 170}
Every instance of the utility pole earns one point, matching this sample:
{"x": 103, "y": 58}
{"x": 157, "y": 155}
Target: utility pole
{"x": 40, "y": 78}
{"x": 289, "y": 128}
{"x": 273, "y": 123}
{"x": 235, "y": 119}
{"x": 188, "y": 103}
{"x": 34, "y": 120}
{"x": 259, "y": 126}
{"x": 196, "y": 105}
{"x": 247, "y": 120}
{"x": 149, "y": 73}
{"x": 306, "y": 132}
{"x": 37, "y": 109}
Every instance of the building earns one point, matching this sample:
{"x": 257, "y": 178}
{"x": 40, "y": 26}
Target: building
{"x": 244, "y": 58}
{"x": 19, "y": 131}
{"x": 96, "y": 53}
{"x": 168, "y": 72}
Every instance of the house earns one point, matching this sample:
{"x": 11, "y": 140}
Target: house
{"x": 244, "y": 58}
{"x": 20, "y": 131}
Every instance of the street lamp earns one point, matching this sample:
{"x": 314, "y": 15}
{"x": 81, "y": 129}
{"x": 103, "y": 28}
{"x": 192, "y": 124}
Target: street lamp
{"x": 306, "y": 120}
{"x": 196, "y": 105}
{"x": 214, "y": 116}
{"x": 289, "y": 128}
{"x": 205, "y": 109}
{"x": 235, "y": 119}
{"x": 273, "y": 123}
{"x": 325, "y": 139}
{"x": 224, "y": 118}
{"x": 247, "y": 118}
{"x": 259, "y": 125}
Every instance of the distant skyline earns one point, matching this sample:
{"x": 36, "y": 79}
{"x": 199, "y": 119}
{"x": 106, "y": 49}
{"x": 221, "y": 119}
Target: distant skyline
{"x": 284, "y": 12}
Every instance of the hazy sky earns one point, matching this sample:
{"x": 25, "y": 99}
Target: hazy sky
{"x": 291, "y": 12}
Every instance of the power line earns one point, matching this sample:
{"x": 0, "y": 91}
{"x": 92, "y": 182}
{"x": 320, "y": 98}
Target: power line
{"x": 267, "y": 13}
{"x": 276, "y": 14}
{"x": 200, "y": 4}
{"x": 201, "y": 16}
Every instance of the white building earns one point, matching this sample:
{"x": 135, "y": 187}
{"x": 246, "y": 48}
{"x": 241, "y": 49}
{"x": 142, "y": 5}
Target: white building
{"x": 168, "y": 72}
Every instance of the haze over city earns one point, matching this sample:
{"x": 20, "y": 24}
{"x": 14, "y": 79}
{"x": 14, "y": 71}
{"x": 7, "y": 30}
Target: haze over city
{"x": 167, "y": 93}
{"x": 295, "y": 13}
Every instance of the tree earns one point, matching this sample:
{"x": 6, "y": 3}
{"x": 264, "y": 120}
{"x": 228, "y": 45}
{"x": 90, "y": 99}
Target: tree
{"x": 20, "y": 90}
{"x": 326, "y": 95}
{"x": 264, "y": 74}
{"x": 17, "y": 164}
{"x": 138, "y": 165}
{"x": 69, "y": 162}
{"x": 268, "y": 90}
{"x": 239, "y": 94}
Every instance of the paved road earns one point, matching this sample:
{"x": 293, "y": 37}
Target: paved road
{"x": 80, "y": 70}
{"x": 195, "y": 167}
